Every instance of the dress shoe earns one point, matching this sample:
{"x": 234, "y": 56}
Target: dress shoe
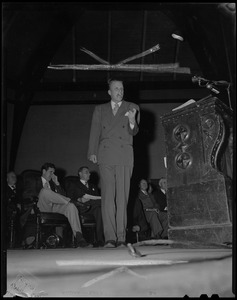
{"x": 83, "y": 244}
{"x": 157, "y": 237}
{"x": 99, "y": 244}
{"x": 29, "y": 240}
{"x": 110, "y": 244}
{"x": 121, "y": 244}
{"x": 31, "y": 246}
{"x": 29, "y": 243}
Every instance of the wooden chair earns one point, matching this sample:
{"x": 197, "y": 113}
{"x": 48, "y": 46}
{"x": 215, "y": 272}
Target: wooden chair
{"x": 45, "y": 227}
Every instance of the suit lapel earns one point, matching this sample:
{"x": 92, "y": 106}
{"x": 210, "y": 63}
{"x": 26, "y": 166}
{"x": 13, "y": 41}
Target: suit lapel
{"x": 108, "y": 113}
{"x": 121, "y": 109}
{"x": 114, "y": 120}
{"x": 82, "y": 186}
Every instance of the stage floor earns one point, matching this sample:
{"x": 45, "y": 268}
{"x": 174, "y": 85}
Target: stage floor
{"x": 162, "y": 271}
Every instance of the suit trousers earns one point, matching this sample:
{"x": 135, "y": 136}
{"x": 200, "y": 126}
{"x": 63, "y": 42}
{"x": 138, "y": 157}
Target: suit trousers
{"x": 95, "y": 211}
{"x": 158, "y": 223}
{"x": 115, "y": 186}
{"x": 50, "y": 201}
{"x": 164, "y": 221}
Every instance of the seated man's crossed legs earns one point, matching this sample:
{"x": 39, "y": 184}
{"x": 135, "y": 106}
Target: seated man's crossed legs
{"x": 159, "y": 226}
{"x": 164, "y": 221}
{"x": 50, "y": 201}
{"x": 95, "y": 212}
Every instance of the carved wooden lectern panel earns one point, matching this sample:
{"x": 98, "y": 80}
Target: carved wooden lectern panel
{"x": 199, "y": 193}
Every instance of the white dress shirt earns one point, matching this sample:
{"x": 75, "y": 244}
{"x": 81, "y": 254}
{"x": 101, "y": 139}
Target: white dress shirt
{"x": 113, "y": 104}
{"x": 84, "y": 182}
{"x": 163, "y": 191}
{"x": 44, "y": 181}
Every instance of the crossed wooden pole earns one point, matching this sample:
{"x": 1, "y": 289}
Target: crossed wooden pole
{"x": 122, "y": 66}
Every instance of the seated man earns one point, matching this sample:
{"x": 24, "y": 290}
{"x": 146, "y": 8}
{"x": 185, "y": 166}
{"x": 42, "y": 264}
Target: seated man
{"x": 157, "y": 220}
{"x": 89, "y": 200}
{"x": 140, "y": 224}
{"x": 51, "y": 198}
{"x": 160, "y": 195}
{"x": 13, "y": 207}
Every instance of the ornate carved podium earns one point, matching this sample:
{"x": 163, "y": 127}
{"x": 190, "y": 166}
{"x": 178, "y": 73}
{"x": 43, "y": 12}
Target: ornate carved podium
{"x": 199, "y": 195}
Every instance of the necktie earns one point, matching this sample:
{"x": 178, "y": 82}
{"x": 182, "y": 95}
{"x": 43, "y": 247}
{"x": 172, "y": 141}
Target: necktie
{"x": 47, "y": 185}
{"x": 115, "y": 109}
{"x": 14, "y": 188}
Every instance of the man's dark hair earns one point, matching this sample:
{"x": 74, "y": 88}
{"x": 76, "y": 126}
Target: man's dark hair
{"x": 81, "y": 168}
{"x": 139, "y": 182}
{"x": 46, "y": 166}
{"x": 112, "y": 79}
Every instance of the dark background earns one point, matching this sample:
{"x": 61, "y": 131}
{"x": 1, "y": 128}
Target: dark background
{"x": 46, "y": 113}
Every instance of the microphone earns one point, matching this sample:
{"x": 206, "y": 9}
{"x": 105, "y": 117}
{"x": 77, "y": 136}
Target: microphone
{"x": 211, "y": 88}
{"x": 199, "y": 80}
{"x": 210, "y": 84}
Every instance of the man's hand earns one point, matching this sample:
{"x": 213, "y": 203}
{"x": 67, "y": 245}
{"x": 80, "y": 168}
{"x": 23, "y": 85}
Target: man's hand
{"x": 136, "y": 228}
{"x": 83, "y": 200}
{"x": 55, "y": 179}
{"x": 131, "y": 116}
{"x": 91, "y": 197}
{"x": 93, "y": 158}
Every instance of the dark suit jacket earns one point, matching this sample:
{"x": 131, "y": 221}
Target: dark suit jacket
{"x": 160, "y": 199}
{"x": 148, "y": 201}
{"x": 139, "y": 217}
{"x": 12, "y": 199}
{"x": 11, "y": 196}
{"x": 77, "y": 190}
{"x": 111, "y": 138}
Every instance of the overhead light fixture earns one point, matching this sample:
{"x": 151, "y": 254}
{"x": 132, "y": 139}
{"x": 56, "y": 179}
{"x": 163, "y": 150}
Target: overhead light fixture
{"x": 177, "y": 36}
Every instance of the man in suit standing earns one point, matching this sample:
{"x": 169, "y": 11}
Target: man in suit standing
{"x": 52, "y": 199}
{"x": 89, "y": 199}
{"x": 111, "y": 146}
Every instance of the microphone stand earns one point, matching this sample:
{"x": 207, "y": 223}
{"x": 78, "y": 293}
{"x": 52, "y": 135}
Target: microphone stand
{"x": 209, "y": 85}
{"x": 228, "y": 93}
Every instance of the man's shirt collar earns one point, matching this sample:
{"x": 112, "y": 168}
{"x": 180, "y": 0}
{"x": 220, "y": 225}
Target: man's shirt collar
{"x": 83, "y": 181}
{"x": 113, "y": 103}
{"x": 43, "y": 180}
